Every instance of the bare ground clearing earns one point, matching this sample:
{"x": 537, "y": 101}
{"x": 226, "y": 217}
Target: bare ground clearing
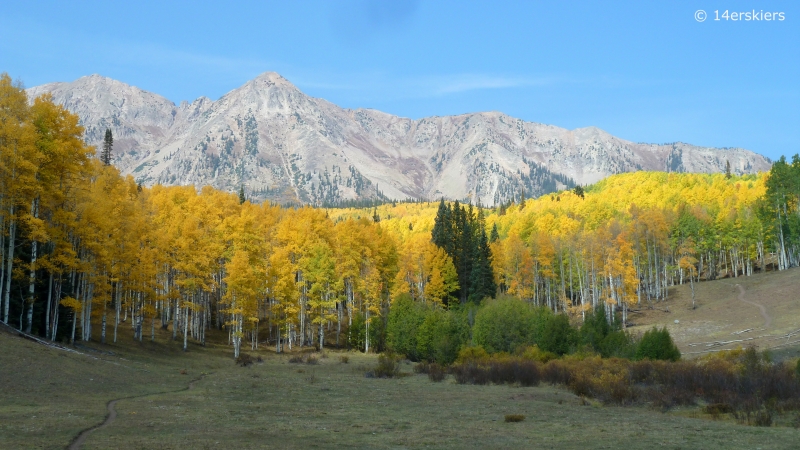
{"x": 761, "y": 310}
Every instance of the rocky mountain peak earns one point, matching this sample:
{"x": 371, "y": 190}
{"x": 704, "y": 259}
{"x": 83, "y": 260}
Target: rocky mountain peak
{"x": 285, "y": 146}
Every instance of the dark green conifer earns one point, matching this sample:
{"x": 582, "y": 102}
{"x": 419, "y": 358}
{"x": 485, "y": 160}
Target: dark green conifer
{"x": 108, "y": 145}
{"x": 494, "y": 235}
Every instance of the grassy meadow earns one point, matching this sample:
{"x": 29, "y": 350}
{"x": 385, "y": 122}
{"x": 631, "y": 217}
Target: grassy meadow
{"x": 50, "y": 395}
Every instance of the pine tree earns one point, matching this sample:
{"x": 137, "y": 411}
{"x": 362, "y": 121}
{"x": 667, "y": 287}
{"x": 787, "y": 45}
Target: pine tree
{"x": 108, "y": 145}
{"x": 494, "y": 236}
{"x": 482, "y": 277}
{"x": 442, "y": 232}
{"x": 242, "y": 198}
{"x": 727, "y": 169}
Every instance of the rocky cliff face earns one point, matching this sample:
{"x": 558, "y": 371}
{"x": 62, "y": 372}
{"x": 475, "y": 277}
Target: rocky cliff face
{"x": 285, "y": 146}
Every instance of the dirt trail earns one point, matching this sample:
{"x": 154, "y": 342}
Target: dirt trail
{"x": 79, "y": 440}
{"x": 764, "y": 314}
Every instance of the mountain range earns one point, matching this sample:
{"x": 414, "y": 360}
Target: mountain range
{"x": 285, "y": 146}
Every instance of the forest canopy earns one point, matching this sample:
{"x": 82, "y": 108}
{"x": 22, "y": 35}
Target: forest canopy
{"x": 83, "y": 245}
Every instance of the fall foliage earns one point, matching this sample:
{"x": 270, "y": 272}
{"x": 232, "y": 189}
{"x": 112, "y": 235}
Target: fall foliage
{"x": 82, "y": 245}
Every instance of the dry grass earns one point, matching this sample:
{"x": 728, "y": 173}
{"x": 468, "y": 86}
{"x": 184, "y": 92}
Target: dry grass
{"x": 49, "y": 395}
{"x": 720, "y": 313}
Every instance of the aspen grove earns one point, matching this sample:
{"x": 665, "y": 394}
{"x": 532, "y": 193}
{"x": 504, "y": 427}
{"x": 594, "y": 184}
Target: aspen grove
{"x": 88, "y": 254}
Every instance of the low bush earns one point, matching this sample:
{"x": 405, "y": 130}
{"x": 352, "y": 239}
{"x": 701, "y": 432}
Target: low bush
{"x": 498, "y": 370}
{"x": 472, "y": 354}
{"x": 244, "y": 360}
{"x": 436, "y": 372}
{"x": 422, "y": 367}
{"x": 739, "y": 382}
{"x": 388, "y": 367}
{"x": 534, "y": 353}
{"x": 504, "y": 324}
{"x": 303, "y": 359}
{"x": 558, "y": 337}
{"x": 657, "y": 344}
{"x": 514, "y": 418}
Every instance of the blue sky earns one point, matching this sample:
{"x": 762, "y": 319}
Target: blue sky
{"x": 643, "y": 71}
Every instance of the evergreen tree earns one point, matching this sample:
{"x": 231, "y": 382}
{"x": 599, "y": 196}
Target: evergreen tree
{"x": 579, "y": 191}
{"x": 494, "y": 235}
{"x": 242, "y": 198}
{"x": 462, "y": 235}
{"x": 108, "y": 145}
{"x": 727, "y": 169}
{"x": 442, "y": 232}
{"x": 482, "y": 277}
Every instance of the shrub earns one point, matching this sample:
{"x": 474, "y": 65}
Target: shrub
{"x": 436, "y": 372}
{"x": 657, "y": 345}
{"x": 405, "y": 318}
{"x": 244, "y": 360}
{"x": 506, "y": 323}
{"x": 534, "y": 353}
{"x": 470, "y": 373}
{"x": 357, "y": 333}
{"x": 618, "y": 344}
{"x": 763, "y": 419}
{"x": 441, "y": 335}
{"x": 716, "y": 409}
{"x": 303, "y": 359}
{"x": 388, "y": 367}
{"x": 422, "y": 367}
{"x": 595, "y": 328}
{"x": 344, "y": 359}
{"x": 471, "y": 354}
{"x": 559, "y": 337}
{"x": 514, "y": 417}
{"x": 502, "y": 369}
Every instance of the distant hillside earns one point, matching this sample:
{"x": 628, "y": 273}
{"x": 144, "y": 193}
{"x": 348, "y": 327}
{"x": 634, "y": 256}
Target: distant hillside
{"x": 288, "y": 147}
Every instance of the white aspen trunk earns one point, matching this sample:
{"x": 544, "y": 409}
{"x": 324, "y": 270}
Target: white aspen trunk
{"x": 338, "y": 322}
{"x": 53, "y": 317}
{"x": 117, "y": 306}
{"x": 32, "y": 277}
{"x": 103, "y": 322}
{"x": 561, "y": 275}
{"x": 82, "y": 298}
{"x": 277, "y": 338}
{"x": 350, "y": 303}
{"x": 571, "y": 289}
{"x": 175, "y": 317}
{"x": 186, "y": 328}
{"x": 47, "y": 309}
{"x": 2, "y": 265}
{"x": 12, "y": 233}
{"x": 366, "y": 334}
{"x": 613, "y": 295}
{"x": 72, "y": 336}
